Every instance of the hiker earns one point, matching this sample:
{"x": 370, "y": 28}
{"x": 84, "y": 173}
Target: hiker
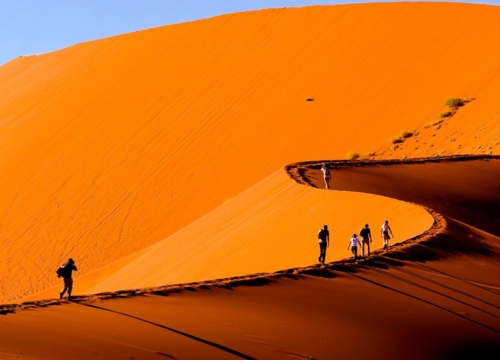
{"x": 65, "y": 271}
{"x": 353, "y": 243}
{"x": 384, "y": 234}
{"x": 327, "y": 176}
{"x": 324, "y": 242}
{"x": 366, "y": 239}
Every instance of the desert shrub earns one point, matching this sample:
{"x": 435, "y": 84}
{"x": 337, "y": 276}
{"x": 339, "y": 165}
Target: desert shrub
{"x": 309, "y": 99}
{"x": 372, "y": 154}
{"x": 397, "y": 140}
{"x": 352, "y": 155}
{"x": 454, "y": 102}
{"x": 406, "y": 134}
{"x": 445, "y": 114}
{"x": 362, "y": 158}
{"x": 434, "y": 123}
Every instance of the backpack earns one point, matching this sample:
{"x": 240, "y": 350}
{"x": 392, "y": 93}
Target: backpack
{"x": 322, "y": 234}
{"x": 63, "y": 270}
{"x": 364, "y": 233}
{"x": 60, "y": 272}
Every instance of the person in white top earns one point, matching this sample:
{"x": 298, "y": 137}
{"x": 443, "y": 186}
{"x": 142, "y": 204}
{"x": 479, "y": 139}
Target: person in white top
{"x": 327, "y": 176}
{"x": 353, "y": 243}
{"x": 384, "y": 234}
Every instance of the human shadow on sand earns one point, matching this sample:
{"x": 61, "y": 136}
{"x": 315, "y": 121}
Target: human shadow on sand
{"x": 196, "y": 338}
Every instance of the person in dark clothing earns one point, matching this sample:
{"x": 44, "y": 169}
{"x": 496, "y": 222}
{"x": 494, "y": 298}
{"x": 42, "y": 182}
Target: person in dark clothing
{"x": 66, "y": 272}
{"x": 324, "y": 242}
{"x": 366, "y": 239}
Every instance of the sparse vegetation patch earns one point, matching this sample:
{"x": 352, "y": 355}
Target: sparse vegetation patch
{"x": 352, "y": 155}
{"x": 406, "y": 134}
{"x": 445, "y": 114}
{"x": 453, "y": 103}
{"x": 434, "y": 123}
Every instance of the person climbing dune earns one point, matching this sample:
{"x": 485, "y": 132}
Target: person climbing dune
{"x": 324, "y": 242}
{"x": 327, "y": 176}
{"x": 353, "y": 243}
{"x": 66, "y": 272}
{"x": 384, "y": 234}
{"x": 366, "y": 239}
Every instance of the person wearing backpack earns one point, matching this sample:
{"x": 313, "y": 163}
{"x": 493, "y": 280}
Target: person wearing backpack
{"x": 66, "y": 272}
{"x": 324, "y": 242}
{"x": 366, "y": 239}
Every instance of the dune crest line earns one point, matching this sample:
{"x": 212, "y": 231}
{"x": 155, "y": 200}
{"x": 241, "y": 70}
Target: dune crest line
{"x": 258, "y": 279}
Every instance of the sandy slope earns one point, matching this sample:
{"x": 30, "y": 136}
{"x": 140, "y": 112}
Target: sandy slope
{"x": 436, "y": 299}
{"x": 113, "y": 145}
{"x": 271, "y": 226}
{"x": 124, "y": 149}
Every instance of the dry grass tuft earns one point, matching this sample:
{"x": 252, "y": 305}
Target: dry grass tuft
{"x": 352, "y": 155}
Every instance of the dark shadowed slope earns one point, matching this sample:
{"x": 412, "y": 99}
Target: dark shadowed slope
{"x": 464, "y": 188}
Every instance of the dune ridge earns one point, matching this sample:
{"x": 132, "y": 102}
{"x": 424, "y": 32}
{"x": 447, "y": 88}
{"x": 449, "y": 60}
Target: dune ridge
{"x": 438, "y": 226}
{"x": 444, "y": 278}
{"x": 269, "y": 227}
{"x": 110, "y": 146}
{"x": 121, "y": 149}
{"x": 302, "y": 174}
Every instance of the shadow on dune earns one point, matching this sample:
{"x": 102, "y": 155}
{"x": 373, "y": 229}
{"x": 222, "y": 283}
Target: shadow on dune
{"x": 424, "y": 300}
{"x": 472, "y": 351}
{"x": 456, "y": 239}
{"x": 464, "y": 188}
{"x": 207, "y": 342}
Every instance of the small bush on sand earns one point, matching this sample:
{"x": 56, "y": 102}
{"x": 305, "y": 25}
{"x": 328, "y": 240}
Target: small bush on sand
{"x": 434, "y": 123}
{"x": 454, "y": 102}
{"x": 363, "y": 158}
{"x": 445, "y": 114}
{"x": 352, "y": 155}
{"x": 372, "y": 153}
{"x": 397, "y": 140}
{"x": 309, "y": 99}
{"x": 406, "y": 134}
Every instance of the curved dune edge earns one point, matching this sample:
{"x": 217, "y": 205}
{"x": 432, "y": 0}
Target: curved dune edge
{"x": 439, "y": 225}
{"x": 297, "y": 170}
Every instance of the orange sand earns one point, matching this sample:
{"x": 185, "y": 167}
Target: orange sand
{"x": 417, "y": 302}
{"x": 271, "y": 226}
{"x": 112, "y": 145}
{"x": 153, "y": 157}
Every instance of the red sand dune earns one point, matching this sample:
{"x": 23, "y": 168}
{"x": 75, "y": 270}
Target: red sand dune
{"x": 112, "y": 145}
{"x": 152, "y": 158}
{"x": 437, "y": 298}
{"x": 269, "y": 227}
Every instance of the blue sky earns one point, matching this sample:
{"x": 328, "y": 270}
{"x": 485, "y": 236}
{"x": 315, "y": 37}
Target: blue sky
{"x": 39, "y": 26}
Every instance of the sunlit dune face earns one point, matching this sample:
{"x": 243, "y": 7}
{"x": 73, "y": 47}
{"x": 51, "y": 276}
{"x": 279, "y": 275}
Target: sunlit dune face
{"x": 113, "y": 145}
